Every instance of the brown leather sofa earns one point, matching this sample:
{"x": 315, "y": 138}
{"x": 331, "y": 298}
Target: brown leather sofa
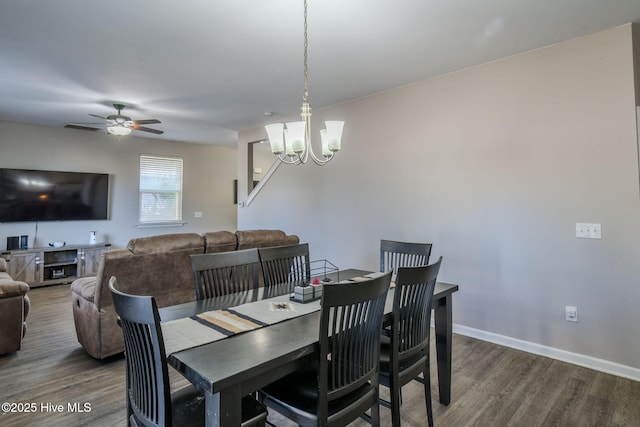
{"x": 14, "y": 308}
{"x": 158, "y": 266}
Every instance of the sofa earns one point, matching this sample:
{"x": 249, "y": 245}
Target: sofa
{"x": 157, "y": 266}
{"x": 14, "y": 308}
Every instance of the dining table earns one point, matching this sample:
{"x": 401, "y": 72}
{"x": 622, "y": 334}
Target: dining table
{"x": 228, "y": 368}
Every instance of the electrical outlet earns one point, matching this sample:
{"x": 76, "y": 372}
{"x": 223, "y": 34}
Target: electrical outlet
{"x": 588, "y": 231}
{"x": 570, "y": 313}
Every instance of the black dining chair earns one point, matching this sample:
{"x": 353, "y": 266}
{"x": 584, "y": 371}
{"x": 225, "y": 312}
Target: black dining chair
{"x": 224, "y": 273}
{"x": 340, "y": 383}
{"x": 285, "y": 265}
{"x": 394, "y": 254}
{"x": 404, "y": 353}
{"x": 149, "y": 398}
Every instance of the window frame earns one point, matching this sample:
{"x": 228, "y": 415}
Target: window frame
{"x": 172, "y": 185}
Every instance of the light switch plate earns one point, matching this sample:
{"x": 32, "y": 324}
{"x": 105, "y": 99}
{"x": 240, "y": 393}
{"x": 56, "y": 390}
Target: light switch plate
{"x": 588, "y": 231}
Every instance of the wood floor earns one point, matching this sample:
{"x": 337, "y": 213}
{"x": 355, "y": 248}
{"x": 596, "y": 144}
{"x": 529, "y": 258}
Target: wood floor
{"x": 492, "y": 385}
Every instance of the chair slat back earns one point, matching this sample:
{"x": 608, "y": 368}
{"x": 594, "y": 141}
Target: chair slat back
{"x": 285, "y": 264}
{"x": 223, "y": 273}
{"x": 350, "y": 326}
{"x": 412, "y": 305}
{"x": 395, "y": 254}
{"x": 148, "y": 390}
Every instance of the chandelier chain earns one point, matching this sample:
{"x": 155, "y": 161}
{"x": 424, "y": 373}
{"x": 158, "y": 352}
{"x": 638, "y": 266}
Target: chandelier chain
{"x": 305, "y": 96}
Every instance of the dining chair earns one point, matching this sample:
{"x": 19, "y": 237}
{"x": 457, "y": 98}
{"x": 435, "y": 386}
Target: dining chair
{"x": 224, "y": 273}
{"x": 340, "y": 382}
{"x": 394, "y": 254}
{"x": 404, "y": 352}
{"x": 149, "y": 398}
{"x": 285, "y": 265}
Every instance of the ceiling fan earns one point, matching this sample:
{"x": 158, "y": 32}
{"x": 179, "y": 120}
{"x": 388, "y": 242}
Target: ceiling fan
{"x": 118, "y": 124}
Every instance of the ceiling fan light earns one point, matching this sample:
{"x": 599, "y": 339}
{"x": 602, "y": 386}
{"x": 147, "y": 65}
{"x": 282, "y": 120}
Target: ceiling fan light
{"x": 118, "y": 130}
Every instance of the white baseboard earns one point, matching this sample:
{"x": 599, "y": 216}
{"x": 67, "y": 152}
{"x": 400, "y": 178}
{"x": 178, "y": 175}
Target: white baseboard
{"x": 554, "y": 353}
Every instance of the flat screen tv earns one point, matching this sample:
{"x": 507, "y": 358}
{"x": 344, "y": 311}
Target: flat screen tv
{"x": 38, "y": 195}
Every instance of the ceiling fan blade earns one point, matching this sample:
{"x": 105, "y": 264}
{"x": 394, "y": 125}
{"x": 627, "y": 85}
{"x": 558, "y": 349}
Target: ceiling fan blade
{"x": 100, "y": 117}
{"x": 145, "y": 129}
{"x": 70, "y": 126}
{"x": 146, "y": 122}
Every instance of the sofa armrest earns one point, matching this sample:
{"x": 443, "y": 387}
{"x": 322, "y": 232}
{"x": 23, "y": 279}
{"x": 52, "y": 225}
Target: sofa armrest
{"x": 27, "y": 305}
{"x": 85, "y": 287}
{"x": 12, "y": 288}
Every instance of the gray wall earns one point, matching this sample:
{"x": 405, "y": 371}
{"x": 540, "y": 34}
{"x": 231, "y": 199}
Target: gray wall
{"x": 494, "y": 165}
{"x": 208, "y": 181}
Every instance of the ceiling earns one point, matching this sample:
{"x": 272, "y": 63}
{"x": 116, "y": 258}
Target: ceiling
{"x": 208, "y": 68}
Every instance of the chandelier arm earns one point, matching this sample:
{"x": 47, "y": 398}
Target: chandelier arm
{"x": 319, "y": 161}
{"x": 307, "y": 135}
{"x": 289, "y": 160}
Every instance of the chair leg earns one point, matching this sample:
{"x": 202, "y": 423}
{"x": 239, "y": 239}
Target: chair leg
{"x": 396, "y": 399}
{"x": 427, "y": 395}
{"x": 375, "y": 415}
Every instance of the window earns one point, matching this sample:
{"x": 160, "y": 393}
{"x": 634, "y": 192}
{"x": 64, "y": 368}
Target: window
{"x": 160, "y": 189}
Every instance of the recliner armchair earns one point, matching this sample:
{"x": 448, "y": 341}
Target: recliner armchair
{"x": 14, "y": 308}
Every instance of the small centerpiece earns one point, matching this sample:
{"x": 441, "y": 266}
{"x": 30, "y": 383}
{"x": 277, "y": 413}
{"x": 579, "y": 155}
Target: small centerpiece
{"x": 306, "y": 291}
{"x": 316, "y": 284}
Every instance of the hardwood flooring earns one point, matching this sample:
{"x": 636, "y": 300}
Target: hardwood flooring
{"x": 492, "y": 385}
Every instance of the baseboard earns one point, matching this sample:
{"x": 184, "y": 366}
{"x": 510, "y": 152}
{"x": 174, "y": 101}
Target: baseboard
{"x": 554, "y": 353}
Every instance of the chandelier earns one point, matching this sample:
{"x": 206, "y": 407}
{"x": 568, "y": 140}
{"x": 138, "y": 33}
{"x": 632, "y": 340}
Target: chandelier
{"x": 291, "y": 141}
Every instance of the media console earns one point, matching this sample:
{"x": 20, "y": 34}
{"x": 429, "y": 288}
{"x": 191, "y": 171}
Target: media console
{"x": 50, "y": 265}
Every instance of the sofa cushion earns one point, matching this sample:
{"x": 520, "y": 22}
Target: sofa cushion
{"x": 220, "y": 241}
{"x": 85, "y": 287}
{"x": 249, "y": 239}
{"x": 4, "y": 276}
{"x": 165, "y": 243}
{"x": 3, "y": 264}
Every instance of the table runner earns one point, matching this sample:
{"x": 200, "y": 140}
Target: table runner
{"x": 215, "y": 325}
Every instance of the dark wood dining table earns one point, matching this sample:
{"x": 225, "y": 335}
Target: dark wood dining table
{"x": 230, "y": 368}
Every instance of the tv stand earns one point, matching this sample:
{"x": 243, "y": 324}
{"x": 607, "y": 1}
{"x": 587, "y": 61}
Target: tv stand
{"x": 51, "y": 265}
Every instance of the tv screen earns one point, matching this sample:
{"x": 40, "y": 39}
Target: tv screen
{"x": 36, "y": 195}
